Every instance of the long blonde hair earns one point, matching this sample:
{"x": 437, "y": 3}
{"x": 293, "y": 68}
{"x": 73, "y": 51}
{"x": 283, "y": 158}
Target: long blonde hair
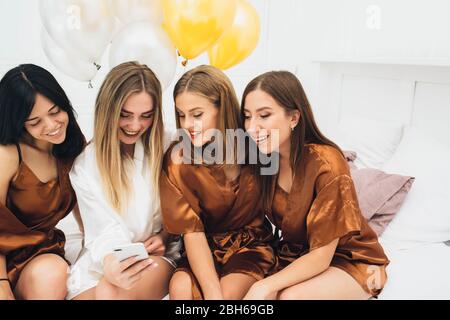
{"x": 212, "y": 84}
{"x": 123, "y": 81}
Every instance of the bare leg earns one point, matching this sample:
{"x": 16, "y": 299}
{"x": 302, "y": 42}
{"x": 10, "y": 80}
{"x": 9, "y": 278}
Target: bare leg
{"x": 236, "y": 285}
{"x": 181, "y": 286}
{"x": 333, "y": 284}
{"x": 43, "y": 278}
{"x": 154, "y": 285}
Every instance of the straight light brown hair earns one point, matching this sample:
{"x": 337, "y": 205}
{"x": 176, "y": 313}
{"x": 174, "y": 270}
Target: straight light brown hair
{"x": 212, "y": 84}
{"x": 123, "y": 81}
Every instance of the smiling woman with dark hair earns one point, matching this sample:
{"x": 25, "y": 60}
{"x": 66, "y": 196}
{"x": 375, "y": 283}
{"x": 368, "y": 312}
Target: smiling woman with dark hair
{"x": 39, "y": 139}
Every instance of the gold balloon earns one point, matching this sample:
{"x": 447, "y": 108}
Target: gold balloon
{"x": 239, "y": 40}
{"x": 195, "y": 25}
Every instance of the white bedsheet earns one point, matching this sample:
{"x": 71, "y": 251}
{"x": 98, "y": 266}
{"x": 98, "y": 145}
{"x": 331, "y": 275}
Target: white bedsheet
{"x": 419, "y": 272}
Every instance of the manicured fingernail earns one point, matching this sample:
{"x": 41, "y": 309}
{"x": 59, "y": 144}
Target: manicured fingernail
{"x": 155, "y": 265}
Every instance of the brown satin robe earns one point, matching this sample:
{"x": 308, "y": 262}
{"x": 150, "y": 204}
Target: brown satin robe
{"x": 198, "y": 198}
{"x": 321, "y": 207}
{"x": 28, "y": 220}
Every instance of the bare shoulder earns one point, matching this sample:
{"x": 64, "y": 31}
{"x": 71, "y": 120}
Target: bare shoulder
{"x": 9, "y": 158}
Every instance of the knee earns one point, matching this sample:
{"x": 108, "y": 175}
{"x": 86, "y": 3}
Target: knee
{"x": 180, "y": 285}
{"x": 50, "y": 272}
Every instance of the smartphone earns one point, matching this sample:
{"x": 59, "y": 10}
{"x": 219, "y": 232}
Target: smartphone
{"x": 131, "y": 250}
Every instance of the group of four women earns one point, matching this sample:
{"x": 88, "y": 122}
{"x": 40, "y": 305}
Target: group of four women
{"x": 212, "y": 230}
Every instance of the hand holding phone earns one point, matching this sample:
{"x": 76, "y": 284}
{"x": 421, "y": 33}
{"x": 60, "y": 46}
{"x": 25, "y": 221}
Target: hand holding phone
{"x": 137, "y": 250}
{"x": 124, "y": 267}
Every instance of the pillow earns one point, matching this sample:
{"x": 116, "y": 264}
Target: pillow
{"x": 425, "y": 215}
{"x": 374, "y": 141}
{"x": 380, "y": 195}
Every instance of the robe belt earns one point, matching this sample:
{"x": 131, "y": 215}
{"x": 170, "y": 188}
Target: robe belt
{"x": 227, "y": 244}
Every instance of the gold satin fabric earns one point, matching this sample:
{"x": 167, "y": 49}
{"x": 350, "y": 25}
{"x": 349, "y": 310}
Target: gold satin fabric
{"x": 198, "y": 198}
{"x": 28, "y": 220}
{"x": 322, "y": 206}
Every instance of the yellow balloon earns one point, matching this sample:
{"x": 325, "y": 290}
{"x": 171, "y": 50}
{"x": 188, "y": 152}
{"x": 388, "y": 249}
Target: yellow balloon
{"x": 195, "y": 25}
{"x": 239, "y": 41}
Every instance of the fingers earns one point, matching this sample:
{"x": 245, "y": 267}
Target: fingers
{"x": 127, "y": 278}
{"x": 138, "y": 267}
{"x": 154, "y": 247}
{"x": 149, "y": 241}
{"x": 160, "y": 251}
{"x": 150, "y": 247}
{"x": 125, "y": 264}
{"x": 135, "y": 278}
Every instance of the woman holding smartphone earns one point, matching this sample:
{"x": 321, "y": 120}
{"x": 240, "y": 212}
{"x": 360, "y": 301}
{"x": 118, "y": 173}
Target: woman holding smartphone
{"x": 213, "y": 205}
{"x": 116, "y": 180}
{"x": 39, "y": 139}
{"x": 327, "y": 249}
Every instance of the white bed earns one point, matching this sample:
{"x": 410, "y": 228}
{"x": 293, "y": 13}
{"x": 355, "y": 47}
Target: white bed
{"x": 392, "y": 97}
{"x": 420, "y": 272}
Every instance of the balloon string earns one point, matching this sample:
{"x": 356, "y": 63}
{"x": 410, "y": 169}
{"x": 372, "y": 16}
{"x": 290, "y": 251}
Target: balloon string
{"x": 185, "y": 62}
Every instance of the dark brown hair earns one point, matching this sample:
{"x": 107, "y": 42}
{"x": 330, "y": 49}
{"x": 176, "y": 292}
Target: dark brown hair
{"x": 286, "y": 89}
{"x": 18, "y": 90}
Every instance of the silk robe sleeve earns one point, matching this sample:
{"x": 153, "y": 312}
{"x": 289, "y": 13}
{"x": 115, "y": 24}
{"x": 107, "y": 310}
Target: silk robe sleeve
{"x": 179, "y": 216}
{"x": 334, "y": 212}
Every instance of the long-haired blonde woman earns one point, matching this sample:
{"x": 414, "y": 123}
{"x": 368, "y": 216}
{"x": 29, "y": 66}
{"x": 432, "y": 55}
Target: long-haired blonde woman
{"x": 213, "y": 205}
{"x": 327, "y": 249}
{"x": 116, "y": 180}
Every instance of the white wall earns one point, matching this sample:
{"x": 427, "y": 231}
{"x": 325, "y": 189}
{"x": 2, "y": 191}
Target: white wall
{"x": 295, "y": 33}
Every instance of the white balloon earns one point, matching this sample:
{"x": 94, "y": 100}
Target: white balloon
{"x": 78, "y": 69}
{"x": 82, "y": 27}
{"x": 129, "y": 11}
{"x": 148, "y": 44}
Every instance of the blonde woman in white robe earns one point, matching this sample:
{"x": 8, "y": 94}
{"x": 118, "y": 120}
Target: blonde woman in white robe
{"x": 117, "y": 187}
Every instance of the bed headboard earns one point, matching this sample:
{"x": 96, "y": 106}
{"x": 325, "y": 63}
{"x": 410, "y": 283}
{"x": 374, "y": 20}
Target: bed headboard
{"x": 396, "y": 93}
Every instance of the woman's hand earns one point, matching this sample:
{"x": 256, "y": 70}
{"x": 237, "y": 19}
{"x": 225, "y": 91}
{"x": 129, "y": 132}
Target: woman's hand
{"x": 260, "y": 291}
{"x": 156, "y": 245}
{"x": 5, "y": 291}
{"x": 125, "y": 274}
